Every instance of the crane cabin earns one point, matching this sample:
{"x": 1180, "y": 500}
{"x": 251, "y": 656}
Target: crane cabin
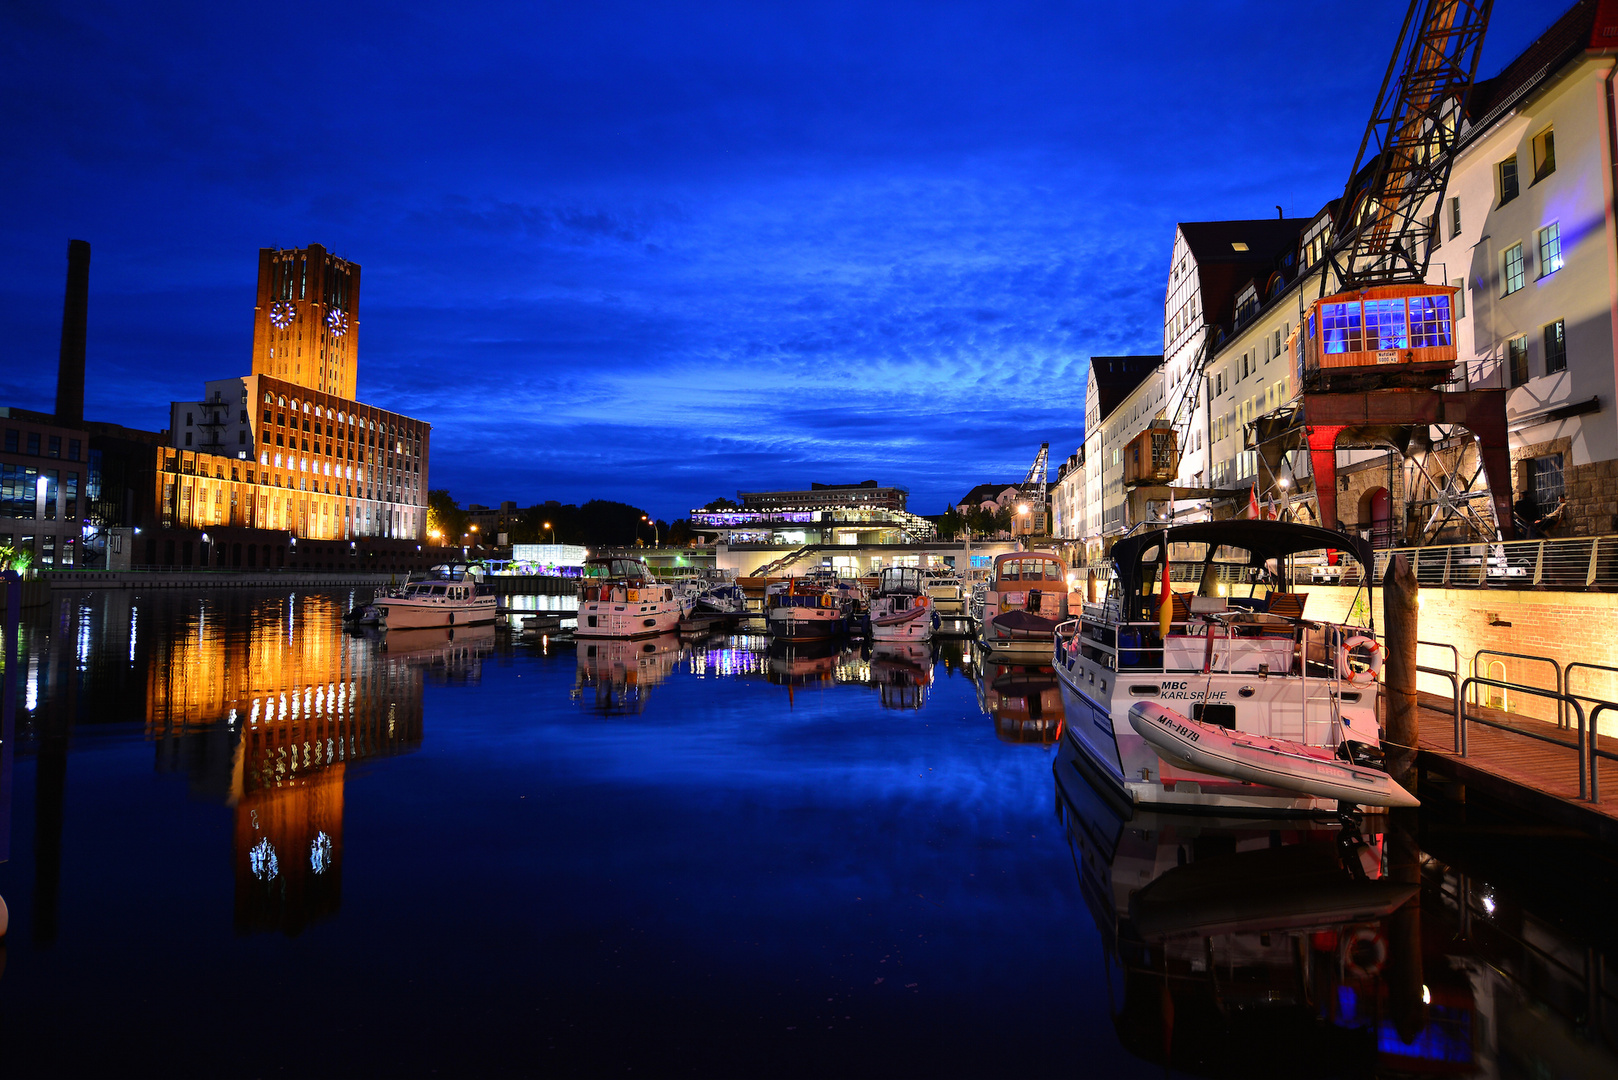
{"x": 1384, "y": 336}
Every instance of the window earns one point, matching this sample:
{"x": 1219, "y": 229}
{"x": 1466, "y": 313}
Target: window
{"x": 1435, "y": 235}
{"x": 1385, "y": 324}
{"x": 188, "y": 438}
{"x": 1512, "y": 265}
{"x": 1454, "y": 217}
{"x": 19, "y": 490}
{"x": 73, "y": 449}
{"x": 1507, "y": 170}
{"x": 54, "y": 446}
{"x": 33, "y": 444}
{"x": 1517, "y": 359}
{"x": 1544, "y": 154}
{"x": 1460, "y": 297}
{"x": 1545, "y": 485}
{"x": 1556, "y": 347}
{"x": 11, "y": 440}
{"x": 187, "y": 419}
{"x": 1340, "y": 326}
{"x": 1550, "y": 249}
{"x": 1430, "y": 325}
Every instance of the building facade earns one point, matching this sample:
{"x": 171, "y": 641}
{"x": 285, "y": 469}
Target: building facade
{"x": 44, "y": 488}
{"x": 306, "y": 319}
{"x": 1067, "y": 498}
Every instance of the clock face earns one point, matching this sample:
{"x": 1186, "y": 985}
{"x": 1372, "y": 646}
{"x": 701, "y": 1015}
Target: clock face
{"x": 337, "y": 322}
{"x": 282, "y": 314}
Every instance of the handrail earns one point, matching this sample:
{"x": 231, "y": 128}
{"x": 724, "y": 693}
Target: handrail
{"x": 1567, "y": 682}
{"x": 1574, "y": 562}
{"x": 1454, "y": 677}
{"x": 1561, "y": 712}
{"x": 1595, "y": 748}
{"x": 1582, "y": 747}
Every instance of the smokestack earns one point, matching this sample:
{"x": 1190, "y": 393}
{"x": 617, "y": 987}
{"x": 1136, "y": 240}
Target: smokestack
{"x": 75, "y": 312}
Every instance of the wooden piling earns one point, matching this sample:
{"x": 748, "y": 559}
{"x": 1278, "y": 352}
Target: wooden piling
{"x": 1402, "y": 728}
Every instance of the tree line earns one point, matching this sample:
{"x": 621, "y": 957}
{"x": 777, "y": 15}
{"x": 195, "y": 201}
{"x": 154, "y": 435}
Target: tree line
{"x": 597, "y": 523}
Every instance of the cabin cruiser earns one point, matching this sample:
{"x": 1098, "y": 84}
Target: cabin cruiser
{"x": 1213, "y": 700}
{"x": 619, "y": 598}
{"x": 900, "y": 608}
{"x": 947, "y": 592}
{"x": 1241, "y": 946}
{"x": 810, "y": 608}
{"x": 450, "y": 595}
{"x": 1021, "y": 604}
{"x": 720, "y": 597}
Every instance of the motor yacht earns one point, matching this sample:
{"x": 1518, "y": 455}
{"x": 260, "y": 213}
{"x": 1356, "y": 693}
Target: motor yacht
{"x": 1021, "y": 604}
{"x": 619, "y": 598}
{"x": 1207, "y": 698}
{"x": 900, "y": 608}
{"x": 810, "y": 608}
{"x": 450, "y": 595}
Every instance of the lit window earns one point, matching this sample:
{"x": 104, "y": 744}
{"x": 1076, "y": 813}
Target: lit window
{"x": 1517, "y": 359}
{"x": 1340, "y": 327}
{"x": 1556, "y": 347}
{"x": 1544, "y": 154}
{"x": 1513, "y": 266}
{"x": 1385, "y": 324}
{"x": 1429, "y": 322}
{"x": 1507, "y": 170}
{"x": 1550, "y": 249}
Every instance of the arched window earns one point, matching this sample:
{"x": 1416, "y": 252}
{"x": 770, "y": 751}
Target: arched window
{"x": 269, "y": 398}
{"x": 283, "y": 401}
{"x": 318, "y": 412}
{"x": 340, "y": 418}
{"x": 306, "y": 406}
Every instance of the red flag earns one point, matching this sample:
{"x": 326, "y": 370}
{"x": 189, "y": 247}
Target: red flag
{"x": 1253, "y": 513}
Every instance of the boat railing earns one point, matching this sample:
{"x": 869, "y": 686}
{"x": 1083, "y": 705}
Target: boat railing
{"x": 1207, "y": 644}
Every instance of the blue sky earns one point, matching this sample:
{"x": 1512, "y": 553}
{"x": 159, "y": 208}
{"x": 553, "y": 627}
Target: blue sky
{"x": 658, "y": 252}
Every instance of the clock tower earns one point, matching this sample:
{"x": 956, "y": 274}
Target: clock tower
{"x": 305, "y": 324}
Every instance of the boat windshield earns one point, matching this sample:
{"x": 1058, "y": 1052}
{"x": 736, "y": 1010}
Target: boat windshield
{"x": 1031, "y": 568}
{"x": 633, "y": 569}
{"x": 900, "y": 579}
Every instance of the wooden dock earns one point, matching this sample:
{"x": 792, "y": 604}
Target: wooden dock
{"x": 1537, "y": 777}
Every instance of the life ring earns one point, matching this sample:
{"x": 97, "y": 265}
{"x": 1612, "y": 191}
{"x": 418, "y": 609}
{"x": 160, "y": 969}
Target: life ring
{"x": 1359, "y": 678}
{"x": 1366, "y": 953}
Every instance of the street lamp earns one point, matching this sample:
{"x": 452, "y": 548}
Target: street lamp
{"x": 653, "y": 524}
{"x": 547, "y": 525}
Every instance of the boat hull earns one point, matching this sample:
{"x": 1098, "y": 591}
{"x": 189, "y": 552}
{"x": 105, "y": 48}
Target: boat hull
{"x": 913, "y": 625}
{"x": 398, "y": 614}
{"x": 609, "y": 619}
{"x": 804, "y": 624}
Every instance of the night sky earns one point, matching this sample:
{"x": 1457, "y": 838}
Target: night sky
{"x": 664, "y": 252}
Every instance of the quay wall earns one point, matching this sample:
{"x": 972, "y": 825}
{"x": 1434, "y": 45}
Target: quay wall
{"x": 209, "y": 579}
{"x": 1566, "y": 626}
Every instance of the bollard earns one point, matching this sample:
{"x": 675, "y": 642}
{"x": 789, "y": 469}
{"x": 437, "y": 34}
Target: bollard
{"x": 1402, "y": 728}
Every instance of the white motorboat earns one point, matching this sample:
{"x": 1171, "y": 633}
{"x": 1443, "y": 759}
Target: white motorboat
{"x": 1253, "y": 708}
{"x": 448, "y": 596}
{"x": 947, "y": 592}
{"x": 1025, "y": 599}
{"x": 619, "y": 598}
{"x": 900, "y": 608}
{"x": 720, "y": 598}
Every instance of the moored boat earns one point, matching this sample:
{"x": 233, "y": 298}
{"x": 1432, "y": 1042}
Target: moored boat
{"x": 451, "y": 595}
{"x": 1024, "y": 601}
{"x": 1251, "y": 707}
{"x": 900, "y": 608}
{"x": 808, "y": 609}
{"x": 619, "y": 598}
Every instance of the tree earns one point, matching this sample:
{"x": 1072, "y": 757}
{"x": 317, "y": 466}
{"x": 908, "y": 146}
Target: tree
{"x": 446, "y": 518}
{"x": 722, "y": 503}
{"x": 951, "y": 524}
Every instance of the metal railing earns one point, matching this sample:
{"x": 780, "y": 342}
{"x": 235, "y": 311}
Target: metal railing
{"x": 1561, "y": 710}
{"x": 1570, "y": 563}
{"x": 1453, "y": 674}
{"x": 1582, "y": 747}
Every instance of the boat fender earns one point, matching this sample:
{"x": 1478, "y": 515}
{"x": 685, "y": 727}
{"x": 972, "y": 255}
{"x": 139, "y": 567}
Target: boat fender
{"x": 936, "y": 621}
{"x": 1374, "y": 656}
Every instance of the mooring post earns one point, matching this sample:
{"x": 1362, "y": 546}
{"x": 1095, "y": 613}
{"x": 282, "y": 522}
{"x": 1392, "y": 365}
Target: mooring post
{"x": 1402, "y": 728}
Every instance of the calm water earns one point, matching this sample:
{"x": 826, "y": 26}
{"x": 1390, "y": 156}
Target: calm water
{"x": 243, "y": 842}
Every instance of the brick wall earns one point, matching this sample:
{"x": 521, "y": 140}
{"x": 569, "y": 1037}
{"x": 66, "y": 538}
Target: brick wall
{"x": 1568, "y": 627}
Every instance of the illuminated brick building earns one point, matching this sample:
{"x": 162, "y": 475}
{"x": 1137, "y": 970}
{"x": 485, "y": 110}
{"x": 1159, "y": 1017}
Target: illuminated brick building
{"x": 288, "y": 448}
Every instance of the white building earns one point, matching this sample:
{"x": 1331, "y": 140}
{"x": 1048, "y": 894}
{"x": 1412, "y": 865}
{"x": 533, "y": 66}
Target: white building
{"x": 1067, "y": 498}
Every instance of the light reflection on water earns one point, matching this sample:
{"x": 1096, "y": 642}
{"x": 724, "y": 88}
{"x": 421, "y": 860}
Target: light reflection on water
{"x": 834, "y": 858}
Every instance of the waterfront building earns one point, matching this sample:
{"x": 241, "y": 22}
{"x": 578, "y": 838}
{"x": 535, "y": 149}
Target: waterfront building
{"x": 288, "y": 448}
{"x": 863, "y": 513}
{"x": 1123, "y": 395}
{"x": 44, "y": 486}
{"x": 494, "y": 524}
{"x": 1067, "y": 498}
{"x": 1525, "y": 233}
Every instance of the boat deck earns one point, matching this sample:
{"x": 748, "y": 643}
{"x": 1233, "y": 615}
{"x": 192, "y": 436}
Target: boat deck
{"x": 1538, "y": 777}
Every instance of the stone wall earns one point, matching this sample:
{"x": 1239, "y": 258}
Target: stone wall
{"x": 1592, "y": 488}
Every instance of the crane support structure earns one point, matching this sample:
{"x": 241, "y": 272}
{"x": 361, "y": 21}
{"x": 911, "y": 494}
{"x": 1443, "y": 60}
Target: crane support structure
{"x": 1379, "y": 232}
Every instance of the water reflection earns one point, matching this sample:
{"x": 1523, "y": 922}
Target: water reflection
{"x": 260, "y": 700}
{"x": 1024, "y": 699}
{"x": 616, "y": 677}
{"x": 902, "y": 672}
